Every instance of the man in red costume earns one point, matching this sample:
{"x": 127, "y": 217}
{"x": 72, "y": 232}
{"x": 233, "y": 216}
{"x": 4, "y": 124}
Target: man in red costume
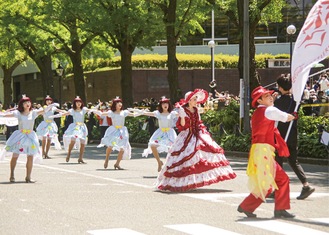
{"x": 264, "y": 173}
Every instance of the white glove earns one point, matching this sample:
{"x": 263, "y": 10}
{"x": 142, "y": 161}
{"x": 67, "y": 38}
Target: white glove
{"x": 181, "y": 112}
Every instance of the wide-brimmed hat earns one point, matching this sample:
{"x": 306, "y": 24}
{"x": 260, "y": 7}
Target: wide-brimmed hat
{"x": 257, "y": 93}
{"x": 201, "y": 95}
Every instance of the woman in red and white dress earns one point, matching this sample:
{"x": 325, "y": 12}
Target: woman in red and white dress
{"x": 195, "y": 159}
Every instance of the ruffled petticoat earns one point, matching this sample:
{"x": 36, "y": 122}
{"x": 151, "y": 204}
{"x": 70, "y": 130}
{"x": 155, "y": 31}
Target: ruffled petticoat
{"x": 25, "y": 143}
{"x": 117, "y": 138}
{"x": 49, "y": 130}
{"x": 201, "y": 163}
{"x": 163, "y": 139}
{"x": 261, "y": 170}
{"x": 77, "y": 131}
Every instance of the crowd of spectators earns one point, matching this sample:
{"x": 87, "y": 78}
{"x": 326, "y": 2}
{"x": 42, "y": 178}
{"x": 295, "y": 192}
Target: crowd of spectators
{"x": 316, "y": 95}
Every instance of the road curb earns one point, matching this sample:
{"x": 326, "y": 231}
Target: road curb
{"x": 314, "y": 161}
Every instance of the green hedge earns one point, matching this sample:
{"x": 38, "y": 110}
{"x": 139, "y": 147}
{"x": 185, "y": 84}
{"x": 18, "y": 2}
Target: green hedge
{"x": 224, "y": 127}
{"x": 222, "y": 61}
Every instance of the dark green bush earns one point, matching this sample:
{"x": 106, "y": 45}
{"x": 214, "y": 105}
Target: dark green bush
{"x": 223, "y": 125}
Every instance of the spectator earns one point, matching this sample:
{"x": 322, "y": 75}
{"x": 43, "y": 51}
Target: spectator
{"x": 324, "y": 82}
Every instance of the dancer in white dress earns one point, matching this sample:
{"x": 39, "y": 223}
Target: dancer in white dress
{"x": 163, "y": 138}
{"x": 116, "y": 136}
{"x": 195, "y": 159}
{"x": 77, "y": 132}
{"x": 47, "y": 130}
{"x": 24, "y": 141}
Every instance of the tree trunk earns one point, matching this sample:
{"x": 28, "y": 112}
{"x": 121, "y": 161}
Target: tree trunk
{"x": 175, "y": 93}
{"x": 126, "y": 51}
{"x": 47, "y": 75}
{"x": 79, "y": 80}
{"x": 253, "y": 79}
{"x": 7, "y": 82}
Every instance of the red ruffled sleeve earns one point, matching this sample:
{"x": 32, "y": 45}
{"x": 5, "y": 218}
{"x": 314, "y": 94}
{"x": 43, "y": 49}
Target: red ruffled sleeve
{"x": 180, "y": 127}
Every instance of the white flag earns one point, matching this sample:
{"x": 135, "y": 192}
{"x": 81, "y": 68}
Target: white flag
{"x": 312, "y": 46}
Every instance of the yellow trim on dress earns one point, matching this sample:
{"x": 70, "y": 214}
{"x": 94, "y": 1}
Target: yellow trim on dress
{"x": 261, "y": 170}
{"x": 26, "y": 131}
{"x": 165, "y": 129}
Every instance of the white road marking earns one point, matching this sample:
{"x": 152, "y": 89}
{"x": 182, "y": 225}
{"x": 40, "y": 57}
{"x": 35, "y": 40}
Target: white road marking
{"x": 322, "y": 220}
{"x": 283, "y": 227}
{"x": 200, "y": 229}
{"x": 114, "y": 231}
{"x": 96, "y": 176}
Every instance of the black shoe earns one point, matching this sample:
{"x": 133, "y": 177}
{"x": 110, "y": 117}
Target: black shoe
{"x": 306, "y": 191}
{"x": 272, "y": 195}
{"x": 247, "y": 213}
{"x": 283, "y": 214}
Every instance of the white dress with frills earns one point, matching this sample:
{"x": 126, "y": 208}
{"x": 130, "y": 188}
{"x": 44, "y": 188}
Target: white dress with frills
{"x": 116, "y": 135}
{"x": 48, "y": 128}
{"x": 77, "y": 130}
{"x": 24, "y": 141}
{"x": 165, "y": 135}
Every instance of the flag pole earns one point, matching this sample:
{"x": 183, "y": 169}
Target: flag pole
{"x": 290, "y": 124}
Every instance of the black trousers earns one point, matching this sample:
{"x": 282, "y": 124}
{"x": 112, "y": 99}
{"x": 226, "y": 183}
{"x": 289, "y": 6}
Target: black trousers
{"x": 293, "y": 163}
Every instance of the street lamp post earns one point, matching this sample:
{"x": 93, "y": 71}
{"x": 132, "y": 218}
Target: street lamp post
{"x": 291, "y": 30}
{"x": 60, "y": 71}
{"x": 211, "y": 45}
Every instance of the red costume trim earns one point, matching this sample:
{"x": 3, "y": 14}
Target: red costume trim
{"x": 197, "y": 185}
{"x": 201, "y": 166}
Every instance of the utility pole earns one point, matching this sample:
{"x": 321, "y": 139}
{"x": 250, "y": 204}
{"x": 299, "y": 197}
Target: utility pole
{"x": 246, "y": 65}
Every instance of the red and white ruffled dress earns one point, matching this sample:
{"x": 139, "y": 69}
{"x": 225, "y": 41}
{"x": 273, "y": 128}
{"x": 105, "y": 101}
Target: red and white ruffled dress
{"x": 195, "y": 159}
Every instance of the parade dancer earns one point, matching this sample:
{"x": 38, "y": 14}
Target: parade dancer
{"x": 195, "y": 159}
{"x": 116, "y": 136}
{"x": 163, "y": 138}
{"x": 24, "y": 141}
{"x": 264, "y": 173}
{"x": 47, "y": 130}
{"x": 77, "y": 133}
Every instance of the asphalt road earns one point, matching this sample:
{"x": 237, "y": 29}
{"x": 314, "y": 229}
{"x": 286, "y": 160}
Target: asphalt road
{"x": 72, "y": 198}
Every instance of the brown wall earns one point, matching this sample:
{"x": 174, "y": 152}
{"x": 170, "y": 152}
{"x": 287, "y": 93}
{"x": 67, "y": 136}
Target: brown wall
{"x": 147, "y": 83}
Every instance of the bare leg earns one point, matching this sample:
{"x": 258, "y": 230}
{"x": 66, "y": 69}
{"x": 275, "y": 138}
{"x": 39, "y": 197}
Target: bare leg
{"x": 69, "y": 150}
{"x": 13, "y": 163}
{"x": 107, "y": 156}
{"x": 48, "y": 140}
{"x": 157, "y": 157}
{"x": 43, "y": 146}
{"x": 29, "y": 165}
{"x": 82, "y": 151}
{"x": 119, "y": 158}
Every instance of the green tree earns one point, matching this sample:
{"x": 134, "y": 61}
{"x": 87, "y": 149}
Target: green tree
{"x": 11, "y": 55}
{"x": 125, "y": 25}
{"x": 61, "y": 22}
{"x": 31, "y": 39}
{"x": 260, "y": 11}
{"x": 180, "y": 18}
